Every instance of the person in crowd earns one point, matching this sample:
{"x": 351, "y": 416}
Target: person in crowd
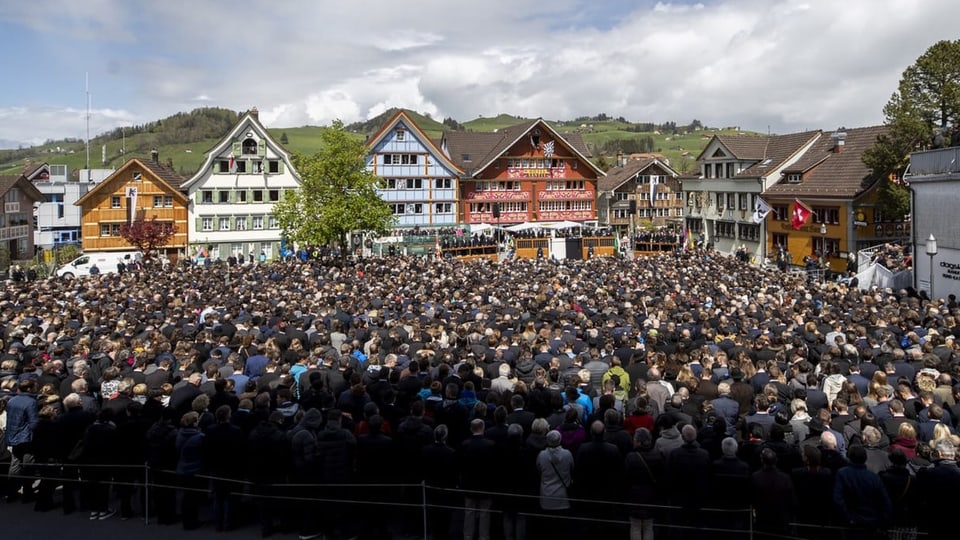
{"x": 386, "y": 361}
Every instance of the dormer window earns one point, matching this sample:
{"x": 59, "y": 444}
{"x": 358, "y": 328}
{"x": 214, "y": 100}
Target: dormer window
{"x": 794, "y": 178}
{"x": 249, "y": 147}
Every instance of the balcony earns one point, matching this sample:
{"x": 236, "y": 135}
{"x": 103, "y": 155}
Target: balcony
{"x": 19, "y": 231}
{"x": 931, "y": 162}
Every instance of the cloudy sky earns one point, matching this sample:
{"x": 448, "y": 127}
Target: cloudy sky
{"x": 778, "y": 65}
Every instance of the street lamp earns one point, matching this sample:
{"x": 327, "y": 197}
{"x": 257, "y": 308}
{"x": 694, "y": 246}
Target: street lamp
{"x": 931, "y": 251}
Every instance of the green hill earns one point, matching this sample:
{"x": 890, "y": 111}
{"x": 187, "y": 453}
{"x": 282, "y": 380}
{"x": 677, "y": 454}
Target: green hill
{"x": 183, "y": 139}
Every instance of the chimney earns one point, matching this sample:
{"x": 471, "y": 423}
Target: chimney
{"x": 254, "y": 112}
{"x": 620, "y": 160}
{"x": 155, "y": 156}
{"x": 839, "y": 138}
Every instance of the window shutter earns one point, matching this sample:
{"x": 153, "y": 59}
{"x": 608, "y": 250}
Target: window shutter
{"x": 237, "y": 148}
{"x": 280, "y": 168}
{"x": 233, "y": 223}
{"x": 262, "y": 148}
{"x": 199, "y": 224}
{"x": 249, "y": 196}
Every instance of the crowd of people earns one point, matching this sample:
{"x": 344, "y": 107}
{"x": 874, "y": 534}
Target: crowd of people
{"x": 682, "y": 395}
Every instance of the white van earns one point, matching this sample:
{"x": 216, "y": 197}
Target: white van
{"x": 106, "y": 261}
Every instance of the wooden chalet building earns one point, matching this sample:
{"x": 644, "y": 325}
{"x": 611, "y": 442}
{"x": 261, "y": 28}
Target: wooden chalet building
{"x": 16, "y": 222}
{"x": 137, "y": 190}
{"x": 418, "y": 180}
{"x": 628, "y": 185}
{"x": 832, "y": 180}
{"x": 522, "y": 174}
{"x": 734, "y": 171}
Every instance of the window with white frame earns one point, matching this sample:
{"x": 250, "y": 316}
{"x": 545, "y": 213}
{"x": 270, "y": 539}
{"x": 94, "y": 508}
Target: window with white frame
{"x": 157, "y": 201}
{"x": 273, "y": 223}
{"x": 274, "y": 195}
{"x": 242, "y": 196}
{"x": 241, "y": 223}
{"x": 206, "y": 197}
{"x": 115, "y": 201}
{"x": 223, "y": 196}
{"x": 442, "y": 183}
{"x": 401, "y": 159}
{"x": 206, "y": 224}
{"x": 104, "y": 229}
{"x": 443, "y": 208}
{"x": 401, "y": 134}
{"x": 224, "y": 224}
{"x": 258, "y": 223}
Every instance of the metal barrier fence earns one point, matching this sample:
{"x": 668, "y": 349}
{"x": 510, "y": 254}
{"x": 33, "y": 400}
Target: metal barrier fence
{"x": 732, "y": 523}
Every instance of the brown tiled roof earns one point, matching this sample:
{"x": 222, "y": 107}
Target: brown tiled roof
{"x": 832, "y": 174}
{"x": 7, "y": 182}
{"x": 483, "y": 147}
{"x": 576, "y": 141}
{"x": 745, "y": 147}
{"x": 165, "y": 173}
{"x": 616, "y": 176}
{"x": 778, "y": 149}
{"x": 467, "y": 148}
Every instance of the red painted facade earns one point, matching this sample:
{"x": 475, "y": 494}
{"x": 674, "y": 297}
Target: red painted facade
{"x": 530, "y": 186}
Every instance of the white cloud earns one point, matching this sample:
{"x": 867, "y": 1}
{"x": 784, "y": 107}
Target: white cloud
{"x": 754, "y": 63}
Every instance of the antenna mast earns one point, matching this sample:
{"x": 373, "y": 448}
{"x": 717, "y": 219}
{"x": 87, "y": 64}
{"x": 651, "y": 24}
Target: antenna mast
{"x": 87, "y": 75}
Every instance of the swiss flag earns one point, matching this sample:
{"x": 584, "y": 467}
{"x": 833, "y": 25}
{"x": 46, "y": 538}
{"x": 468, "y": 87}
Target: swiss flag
{"x": 801, "y": 214}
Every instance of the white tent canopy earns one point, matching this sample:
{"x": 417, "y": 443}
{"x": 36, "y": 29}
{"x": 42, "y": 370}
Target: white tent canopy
{"x": 563, "y": 225}
{"x": 483, "y": 227}
{"x": 524, "y": 227}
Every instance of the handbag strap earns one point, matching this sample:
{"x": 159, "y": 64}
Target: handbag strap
{"x": 559, "y": 476}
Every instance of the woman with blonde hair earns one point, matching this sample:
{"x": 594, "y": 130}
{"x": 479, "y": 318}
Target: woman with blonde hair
{"x": 879, "y": 379}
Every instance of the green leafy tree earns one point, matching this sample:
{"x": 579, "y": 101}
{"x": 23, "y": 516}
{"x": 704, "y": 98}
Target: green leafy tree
{"x": 283, "y": 138}
{"x": 927, "y": 100}
{"x": 337, "y": 194}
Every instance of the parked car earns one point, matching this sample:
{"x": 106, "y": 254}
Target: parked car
{"x": 105, "y": 261}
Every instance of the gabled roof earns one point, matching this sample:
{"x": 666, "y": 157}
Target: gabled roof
{"x": 402, "y": 116}
{"x": 481, "y": 149}
{"x": 830, "y": 174}
{"x": 8, "y": 181}
{"x": 31, "y": 170}
{"x": 778, "y": 150}
{"x": 741, "y": 147}
{"x": 248, "y": 121}
{"x": 619, "y": 175}
{"x": 165, "y": 175}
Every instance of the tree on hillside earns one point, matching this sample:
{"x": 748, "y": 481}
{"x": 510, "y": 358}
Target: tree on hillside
{"x": 148, "y": 235}
{"x": 283, "y": 138}
{"x": 337, "y": 194}
{"x": 927, "y": 101}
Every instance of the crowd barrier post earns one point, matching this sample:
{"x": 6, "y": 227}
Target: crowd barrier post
{"x": 423, "y": 501}
{"x": 146, "y": 494}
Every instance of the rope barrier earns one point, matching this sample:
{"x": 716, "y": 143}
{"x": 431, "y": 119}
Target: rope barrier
{"x": 252, "y": 490}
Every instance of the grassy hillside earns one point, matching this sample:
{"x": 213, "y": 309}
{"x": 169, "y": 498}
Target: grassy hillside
{"x": 184, "y": 139}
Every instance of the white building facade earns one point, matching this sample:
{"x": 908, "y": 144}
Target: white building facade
{"x": 57, "y": 220}
{"x": 233, "y": 194}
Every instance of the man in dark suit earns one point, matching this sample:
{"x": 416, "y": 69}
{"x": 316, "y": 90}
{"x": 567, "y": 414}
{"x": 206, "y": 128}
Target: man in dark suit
{"x": 478, "y": 476}
{"x": 520, "y": 416}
